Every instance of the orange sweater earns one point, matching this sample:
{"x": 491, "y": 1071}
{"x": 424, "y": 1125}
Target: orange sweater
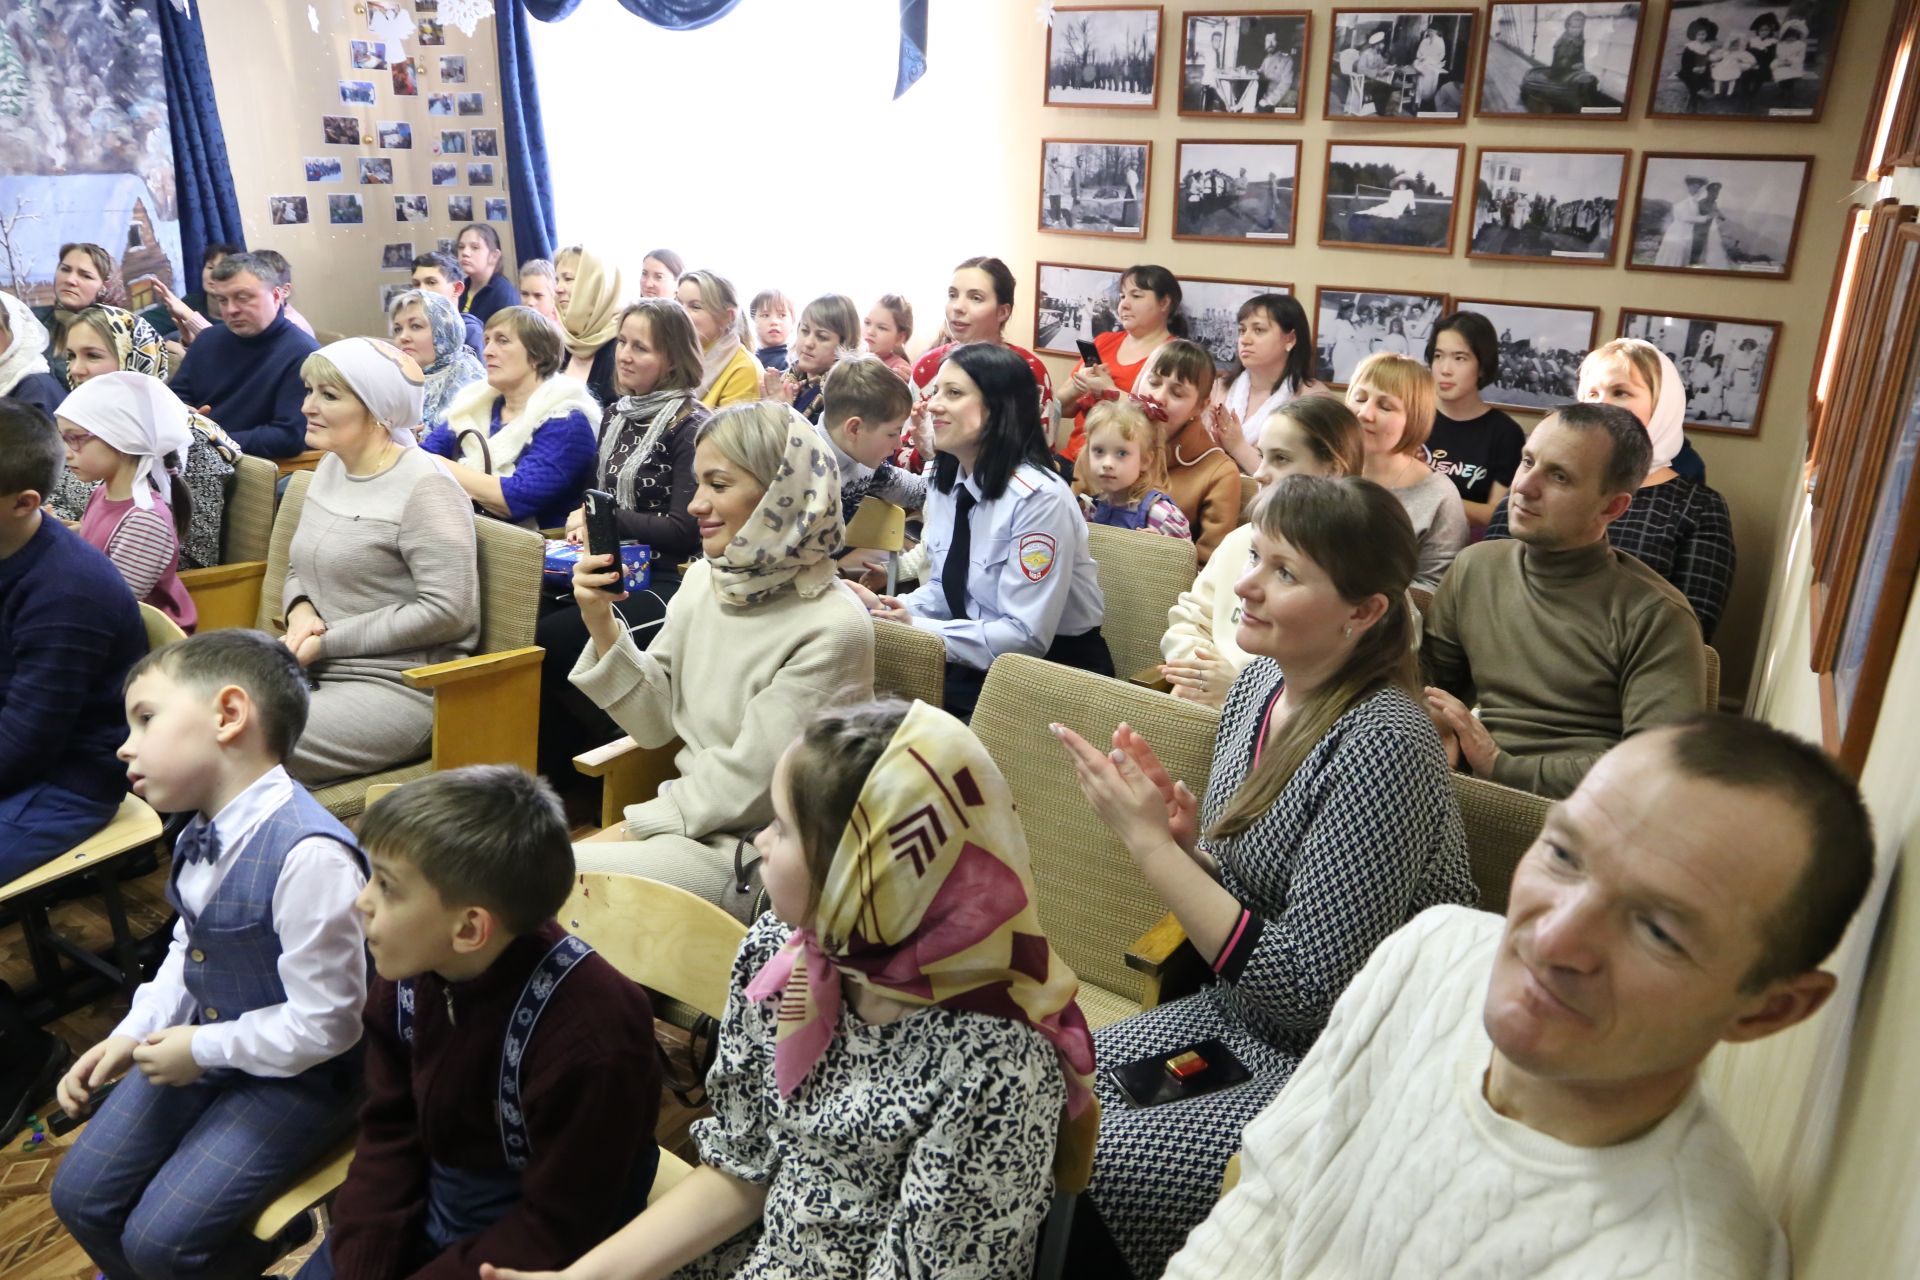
{"x": 1206, "y": 484}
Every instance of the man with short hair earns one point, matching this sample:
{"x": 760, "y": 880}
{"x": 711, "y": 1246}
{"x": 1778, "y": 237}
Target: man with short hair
{"x": 536, "y": 288}
{"x": 1522, "y": 1098}
{"x": 1567, "y": 645}
{"x": 245, "y": 373}
{"x": 439, "y": 273}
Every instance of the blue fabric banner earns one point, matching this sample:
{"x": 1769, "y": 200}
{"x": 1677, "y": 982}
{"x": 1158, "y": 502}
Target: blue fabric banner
{"x": 203, "y": 181}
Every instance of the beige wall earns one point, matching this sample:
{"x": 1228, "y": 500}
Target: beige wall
{"x": 274, "y": 76}
{"x": 1749, "y": 472}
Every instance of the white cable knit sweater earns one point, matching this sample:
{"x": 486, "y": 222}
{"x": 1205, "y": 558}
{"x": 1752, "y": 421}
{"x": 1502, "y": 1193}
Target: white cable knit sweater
{"x": 1381, "y": 1158}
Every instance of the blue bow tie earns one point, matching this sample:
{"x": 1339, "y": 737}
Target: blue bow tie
{"x": 199, "y": 842}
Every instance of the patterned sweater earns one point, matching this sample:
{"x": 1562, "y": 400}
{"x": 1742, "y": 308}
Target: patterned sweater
{"x": 1382, "y": 1158}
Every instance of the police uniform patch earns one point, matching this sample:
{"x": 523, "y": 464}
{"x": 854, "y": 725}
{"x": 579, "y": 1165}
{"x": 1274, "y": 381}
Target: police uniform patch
{"x": 1036, "y": 552}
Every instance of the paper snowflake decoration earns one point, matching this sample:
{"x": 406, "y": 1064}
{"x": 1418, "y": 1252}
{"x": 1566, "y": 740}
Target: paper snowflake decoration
{"x": 465, "y": 14}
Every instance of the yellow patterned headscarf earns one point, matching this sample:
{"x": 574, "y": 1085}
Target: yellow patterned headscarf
{"x": 137, "y": 343}
{"x": 929, "y": 901}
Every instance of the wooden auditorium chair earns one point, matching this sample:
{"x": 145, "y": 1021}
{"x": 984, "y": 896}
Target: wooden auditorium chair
{"x": 1141, "y": 576}
{"x": 880, "y": 526}
{"x": 223, "y": 593}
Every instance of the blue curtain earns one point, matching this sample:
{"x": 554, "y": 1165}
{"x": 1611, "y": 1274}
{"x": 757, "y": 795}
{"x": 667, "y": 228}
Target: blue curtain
{"x": 209, "y": 209}
{"x": 913, "y": 45}
{"x": 526, "y": 150}
{"x": 675, "y": 15}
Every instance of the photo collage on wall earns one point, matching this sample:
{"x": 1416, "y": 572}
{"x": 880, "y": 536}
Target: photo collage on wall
{"x": 1583, "y": 64}
{"x": 400, "y": 93}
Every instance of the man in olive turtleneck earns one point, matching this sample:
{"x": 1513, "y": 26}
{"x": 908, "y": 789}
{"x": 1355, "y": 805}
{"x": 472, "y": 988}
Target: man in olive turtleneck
{"x": 1567, "y": 645}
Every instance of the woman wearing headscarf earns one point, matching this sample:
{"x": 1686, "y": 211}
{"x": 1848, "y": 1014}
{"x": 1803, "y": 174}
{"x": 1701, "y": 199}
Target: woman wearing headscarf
{"x": 1676, "y": 526}
{"x": 646, "y": 463}
{"x": 591, "y": 317}
{"x": 124, "y": 434}
{"x": 760, "y": 635}
{"x": 382, "y": 573}
{"x": 427, "y": 326}
{"x": 24, "y": 373}
{"x": 880, "y": 1107}
{"x": 728, "y": 372}
{"x": 102, "y": 340}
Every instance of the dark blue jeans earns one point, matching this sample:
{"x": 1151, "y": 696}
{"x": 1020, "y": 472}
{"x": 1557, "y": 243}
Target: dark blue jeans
{"x": 43, "y": 821}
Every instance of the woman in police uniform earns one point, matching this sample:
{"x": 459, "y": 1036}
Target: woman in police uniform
{"x": 1006, "y": 545}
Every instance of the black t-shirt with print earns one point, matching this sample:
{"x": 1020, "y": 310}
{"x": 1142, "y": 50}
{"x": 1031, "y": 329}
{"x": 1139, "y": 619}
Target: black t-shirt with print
{"x": 1476, "y": 453}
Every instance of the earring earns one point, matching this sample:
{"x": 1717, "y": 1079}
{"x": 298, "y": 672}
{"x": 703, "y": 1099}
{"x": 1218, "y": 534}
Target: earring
{"x": 1348, "y": 633}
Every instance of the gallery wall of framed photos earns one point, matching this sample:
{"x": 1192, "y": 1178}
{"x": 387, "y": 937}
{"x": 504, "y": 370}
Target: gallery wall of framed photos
{"x": 357, "y": 139}
{"x": 1678, "y": 170}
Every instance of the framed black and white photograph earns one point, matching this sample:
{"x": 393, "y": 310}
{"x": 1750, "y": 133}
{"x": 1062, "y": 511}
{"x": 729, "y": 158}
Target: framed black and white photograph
{"x": 1237, "y": 192}
{"x": 1546, "y": 59}
{"x": 323, "y": 169}
{"x": 395, "y": 135}
{"x": 1541, "y": 348}
{"x": 1212, "y": 309}
{"x": 1399, "y": 196}
{"x": 1351, "y": 324}
{"x": 471, "y": 104}
{"x": 453, "y": 142}
{"x": 1561, "y": 206}
{"x": 345, "y": 210}
{"x": 459, "y": 208}
{"x": 376, "y": 171}
{"x": 1724, "y": 363}
{"x": 1244, "y": 64}
{"x": 1091, "y": 188}
{"x": 356, "y": 93}
{"x": 479, "y": 175}
{"x": 486, "y": 142}
{"x": 1104, "y": 56}
{"x": 1073, "y": 304}
{"x": 397, "y": 255}
{"x": 439, "y": 104}
{"x": 496, "y": 209}
{"x": 287, "y": 211}
{"x": 340, "y": 130}
{"x": 445, "y": 175}
{"x": 1718, "y": 214}
{"x": 453, "y": 69}
{"x": 410, "y": 209}
{"x": 1404, "y": 64}
{"x": 1745, "y": 59}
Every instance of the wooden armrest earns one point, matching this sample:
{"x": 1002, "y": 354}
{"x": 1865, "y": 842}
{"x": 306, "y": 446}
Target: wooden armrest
{"x": 601, "y": 761}
{"x": 226, "y": 595}
{"x": 629, "y": 774}
{"x": 442, "y": 674}
{"x": 1151, "y": 954}
{"x": 1150, "y": 678}
{"x": 220, "y": 574}
{"x": 306, "y": 461}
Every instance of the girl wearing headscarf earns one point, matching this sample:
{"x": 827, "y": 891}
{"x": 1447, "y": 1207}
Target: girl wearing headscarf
{"x": 102, "y": 339}
{"x": 382, "y": 573}
{"x": 591, "y": 317}
{"x": 23, "y": 363}
{"x": 728, "y": 372}
{"x": 124, "y": 434}
{"x": 760, "y": 635}
{"x": 1678, "y": 527}
{"x": 881, "y": 1106}
{"x": 427, "y": 326}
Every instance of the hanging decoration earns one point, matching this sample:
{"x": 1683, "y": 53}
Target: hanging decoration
{"x": 465, "y": 14}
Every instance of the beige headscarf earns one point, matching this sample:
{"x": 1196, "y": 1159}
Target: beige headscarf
{"x": 791, "y": 536}
{"x": 591, "y": 317}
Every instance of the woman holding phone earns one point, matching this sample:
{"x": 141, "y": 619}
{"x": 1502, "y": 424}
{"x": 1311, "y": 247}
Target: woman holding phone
{"x": 1149, "y": 314}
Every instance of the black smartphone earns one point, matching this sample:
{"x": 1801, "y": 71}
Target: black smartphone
{"x": 1089, "y": 354}
{"x": 1190, "y": 1072}
{"x": 603, "y": 539}
{"x": 61, "y": 1122}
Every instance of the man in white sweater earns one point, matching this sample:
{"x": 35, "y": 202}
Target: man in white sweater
{"x": 1521, "y": 1099}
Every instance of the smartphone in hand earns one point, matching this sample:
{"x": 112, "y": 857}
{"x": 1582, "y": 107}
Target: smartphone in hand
{"x": 603, "y": 539}
{"x": 1089, "y": 354}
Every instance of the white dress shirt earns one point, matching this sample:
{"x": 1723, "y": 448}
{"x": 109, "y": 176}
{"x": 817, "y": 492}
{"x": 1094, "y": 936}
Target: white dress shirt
{"x": 322, "y": 951}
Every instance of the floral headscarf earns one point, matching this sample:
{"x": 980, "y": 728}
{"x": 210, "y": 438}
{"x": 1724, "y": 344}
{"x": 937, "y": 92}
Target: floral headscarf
{"x": 454, "y": 364}
{"x": 929, "y": 901}
{"x": 792, "y": 535}
{"x": 137, "y": 343}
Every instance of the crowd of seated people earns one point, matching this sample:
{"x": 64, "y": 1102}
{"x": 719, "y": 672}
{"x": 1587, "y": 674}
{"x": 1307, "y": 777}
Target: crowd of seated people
{"x": 901, "y": 1045}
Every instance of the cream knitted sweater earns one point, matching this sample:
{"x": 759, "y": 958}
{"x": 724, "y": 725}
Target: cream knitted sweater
{"x": 1381, "y": 1158}
{"x": 1208, "y": 613}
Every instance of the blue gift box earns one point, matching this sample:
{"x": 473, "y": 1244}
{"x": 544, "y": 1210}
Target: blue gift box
{"x": 636, "y": 559}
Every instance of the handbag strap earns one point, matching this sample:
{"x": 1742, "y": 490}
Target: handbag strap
{"x": 486, "y": 453}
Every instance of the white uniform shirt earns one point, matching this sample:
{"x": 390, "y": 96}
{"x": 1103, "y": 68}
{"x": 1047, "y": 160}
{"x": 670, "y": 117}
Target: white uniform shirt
{"x": 1031, "y": 577}
{"x": 323, "y": 961}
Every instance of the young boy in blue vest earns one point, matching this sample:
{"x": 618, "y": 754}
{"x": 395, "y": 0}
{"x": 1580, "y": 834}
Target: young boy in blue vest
{"x": 240, "y": 1056}
{"x": 512, "y": 1075}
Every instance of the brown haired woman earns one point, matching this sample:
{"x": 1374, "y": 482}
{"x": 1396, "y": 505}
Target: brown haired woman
{"x": 1329, "y": 822}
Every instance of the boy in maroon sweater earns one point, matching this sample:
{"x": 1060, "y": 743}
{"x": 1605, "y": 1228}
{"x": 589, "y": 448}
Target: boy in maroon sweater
{"x": 471, "y": 1147}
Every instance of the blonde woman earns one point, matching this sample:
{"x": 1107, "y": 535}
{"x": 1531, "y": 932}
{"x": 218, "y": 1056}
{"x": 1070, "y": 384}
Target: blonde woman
{"x": 729, "y": 375}
{"x": 590, "y": 315}
{"x": 1393, "y": 397}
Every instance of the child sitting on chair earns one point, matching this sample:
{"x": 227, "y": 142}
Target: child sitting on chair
{"x": 864, "y": 408}
{"x": 240, "y": 1056}
{"x": 889, "y": 1083}
{"x": 512, "y": 1076}
{"x": 1122, "y": 475}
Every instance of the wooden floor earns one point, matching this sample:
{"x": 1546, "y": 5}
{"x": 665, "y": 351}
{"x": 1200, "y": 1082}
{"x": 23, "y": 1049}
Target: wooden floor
{"x": 33, "y": 1245}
